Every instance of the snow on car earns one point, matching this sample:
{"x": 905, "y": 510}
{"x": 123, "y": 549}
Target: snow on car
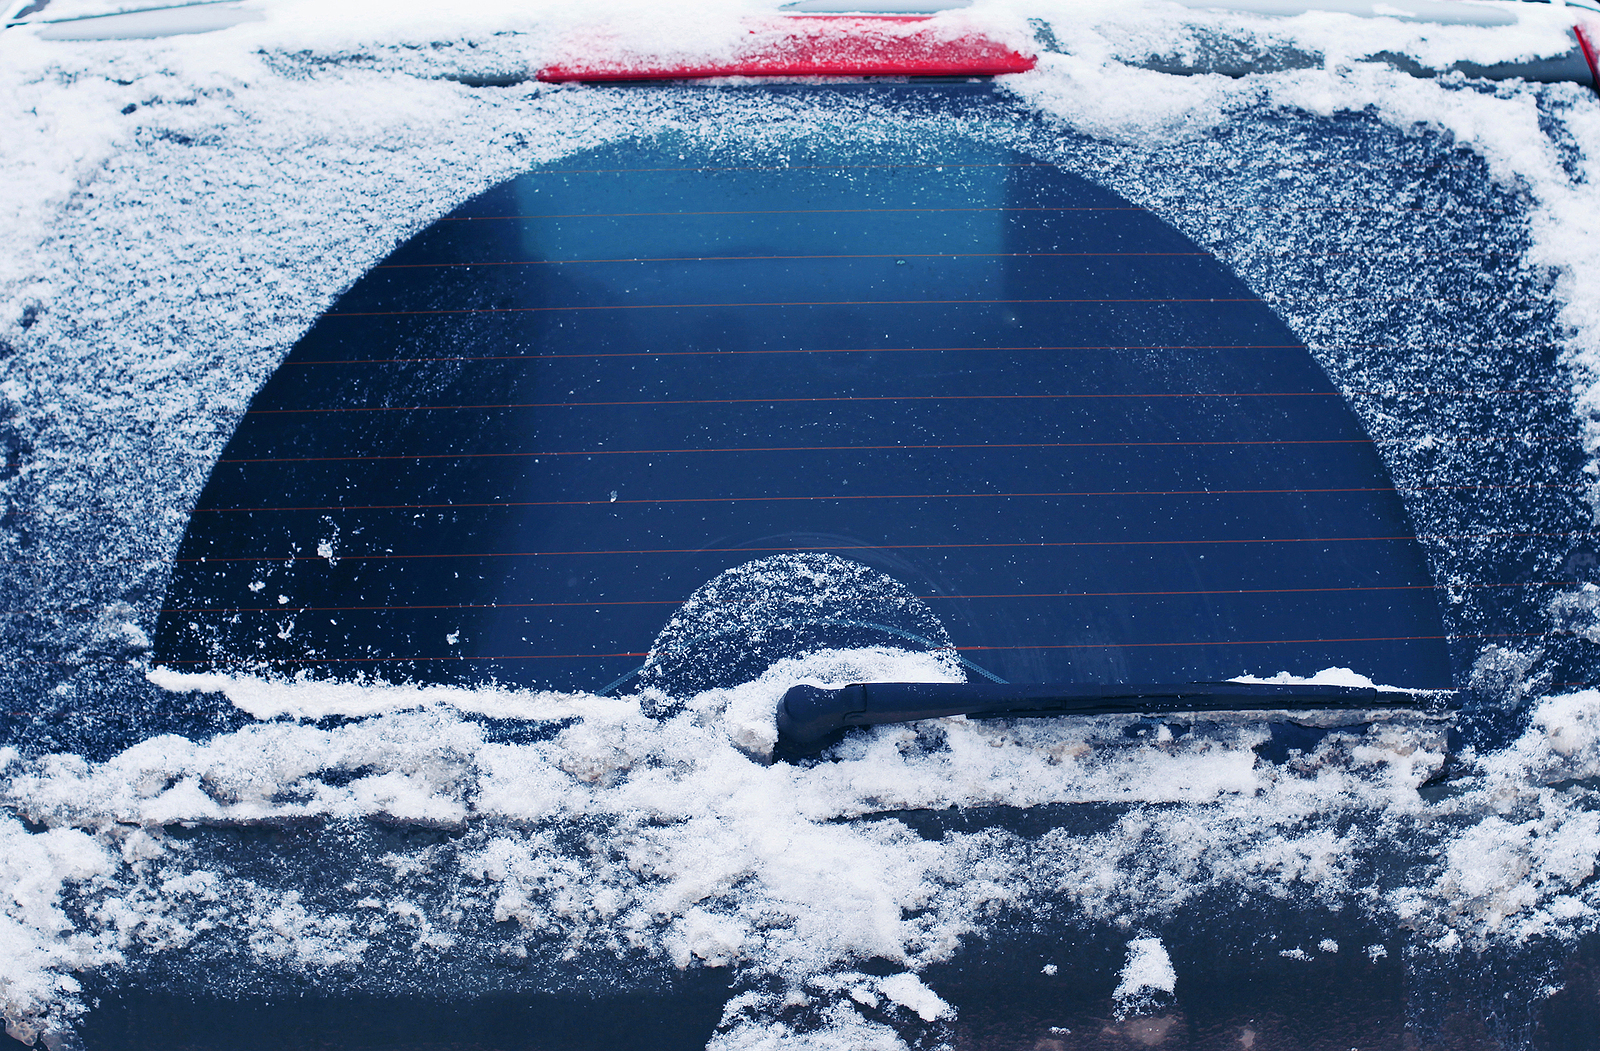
{"x": 247, "y": 800}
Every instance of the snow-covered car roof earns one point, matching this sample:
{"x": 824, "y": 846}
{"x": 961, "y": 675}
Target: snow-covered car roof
{"x": 181, "y": 209}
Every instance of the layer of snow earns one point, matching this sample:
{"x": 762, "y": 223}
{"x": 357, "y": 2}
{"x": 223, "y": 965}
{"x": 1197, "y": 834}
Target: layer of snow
{"x": 717, "y": 860}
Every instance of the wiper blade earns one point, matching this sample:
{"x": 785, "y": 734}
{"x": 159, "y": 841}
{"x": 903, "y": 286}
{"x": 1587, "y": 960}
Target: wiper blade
{"x": 812, "y": 717}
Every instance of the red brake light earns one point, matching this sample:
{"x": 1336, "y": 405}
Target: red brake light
{"x": 817, "y": 45}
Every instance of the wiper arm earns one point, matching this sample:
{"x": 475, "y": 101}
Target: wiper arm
{"x": 811, "y": 717}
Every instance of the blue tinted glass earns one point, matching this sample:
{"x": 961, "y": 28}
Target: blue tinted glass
{"x": 531, "y": 434}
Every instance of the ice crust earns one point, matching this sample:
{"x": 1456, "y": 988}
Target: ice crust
{"x": 179, "y": 211}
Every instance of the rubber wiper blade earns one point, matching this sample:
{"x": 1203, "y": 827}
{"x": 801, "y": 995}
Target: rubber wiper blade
{"x": 812, "y": 717}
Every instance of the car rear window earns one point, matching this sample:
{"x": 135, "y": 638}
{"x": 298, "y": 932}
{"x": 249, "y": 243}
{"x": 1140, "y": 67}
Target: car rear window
{"x": 1088, "y": 451}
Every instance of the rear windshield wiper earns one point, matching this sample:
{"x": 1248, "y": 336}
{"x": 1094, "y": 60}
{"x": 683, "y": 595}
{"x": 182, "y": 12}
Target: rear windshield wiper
{"x": 812, "y": 717}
